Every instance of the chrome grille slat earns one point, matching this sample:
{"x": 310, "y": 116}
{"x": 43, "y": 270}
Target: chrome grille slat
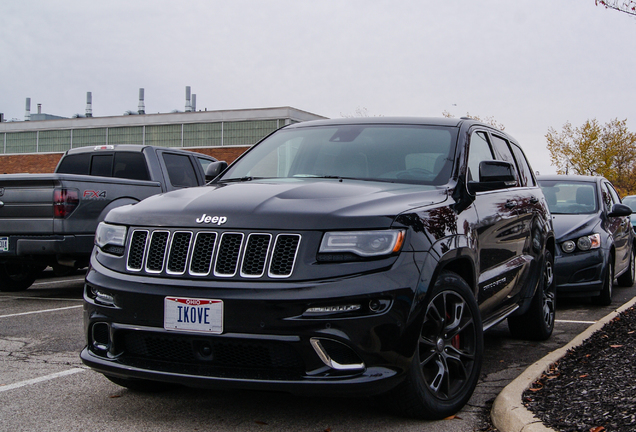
{"x": 212, "y": 254}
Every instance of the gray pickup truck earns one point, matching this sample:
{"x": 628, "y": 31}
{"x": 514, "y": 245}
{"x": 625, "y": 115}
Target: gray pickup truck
{"x": 50, "y": 219}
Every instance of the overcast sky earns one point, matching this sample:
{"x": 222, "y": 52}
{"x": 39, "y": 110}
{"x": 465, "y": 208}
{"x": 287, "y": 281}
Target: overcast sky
{"x": 529, "y": 64}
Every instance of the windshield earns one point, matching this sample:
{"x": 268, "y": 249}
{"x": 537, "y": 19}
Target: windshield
{"x": 568, "y": 197}
{"x": 395, "y": 153}
{"x": 630, "y": 201}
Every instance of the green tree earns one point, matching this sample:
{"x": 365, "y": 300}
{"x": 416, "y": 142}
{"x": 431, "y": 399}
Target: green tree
{"x": 605, "y": 150}
{"x": 625, "y": 6}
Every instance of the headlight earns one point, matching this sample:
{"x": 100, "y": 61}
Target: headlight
{"x": 584, "y": 243}
{"x": 107, "y": 234}
{"x": 363, "y": 243}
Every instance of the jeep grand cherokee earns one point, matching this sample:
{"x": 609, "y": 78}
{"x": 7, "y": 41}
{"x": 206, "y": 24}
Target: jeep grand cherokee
{"x": 337, "y": 257}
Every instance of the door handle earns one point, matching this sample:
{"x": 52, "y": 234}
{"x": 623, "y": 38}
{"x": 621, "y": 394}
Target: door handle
{"x": 511, "y": 204}
{"x": 534, "y": 200}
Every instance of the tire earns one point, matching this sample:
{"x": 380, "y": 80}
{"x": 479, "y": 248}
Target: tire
{"x": 605, "y": 297}
{"x": 627, "y": 278}
{"x": 537, "y": 323}
{"x": 17, "y": 276}
{"x": 142, "y": 386}
{"x": 448, "y": 356}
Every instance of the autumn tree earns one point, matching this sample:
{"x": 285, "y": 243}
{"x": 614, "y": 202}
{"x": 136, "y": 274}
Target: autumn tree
{"x": 625, "y": 6}
{"x": 487, "y": 120}
{"x": 592, "y": 149}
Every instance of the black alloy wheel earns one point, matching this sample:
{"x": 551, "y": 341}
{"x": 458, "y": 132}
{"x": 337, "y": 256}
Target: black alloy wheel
{"x": 18, "y": 276}
{"x": 605, "y": 297}
{"x": 448, "y": 356}
{"x": 537, "y": 323}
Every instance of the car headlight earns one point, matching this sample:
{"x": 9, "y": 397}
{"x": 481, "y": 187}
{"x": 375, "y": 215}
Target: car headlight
{"x": 363, "y": 243}
{"x": 107, "y": 234}
{"x": 584, "y": 243}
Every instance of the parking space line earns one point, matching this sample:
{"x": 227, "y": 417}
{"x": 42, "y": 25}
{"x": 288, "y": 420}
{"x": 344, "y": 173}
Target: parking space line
{"x": 575, "y": 322}
{"x": 58, "y": 281}
{"x": 40, "y": 379}
{"x": 40, "y": 311}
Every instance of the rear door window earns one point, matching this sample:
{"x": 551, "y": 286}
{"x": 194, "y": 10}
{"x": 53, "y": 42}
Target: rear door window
{"x": 525, "y": 172}
{"x": 130, "y": 165}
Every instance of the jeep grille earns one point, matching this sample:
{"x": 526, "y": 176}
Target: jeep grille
{"x": 205, "y": 253}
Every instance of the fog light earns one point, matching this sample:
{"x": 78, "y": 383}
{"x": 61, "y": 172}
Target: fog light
{"x": 102, "y": 297}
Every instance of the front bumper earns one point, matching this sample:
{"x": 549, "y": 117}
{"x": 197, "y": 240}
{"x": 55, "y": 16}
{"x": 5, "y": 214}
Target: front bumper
{"x": 268, "y": 340}
{"x": 580, "y": 274}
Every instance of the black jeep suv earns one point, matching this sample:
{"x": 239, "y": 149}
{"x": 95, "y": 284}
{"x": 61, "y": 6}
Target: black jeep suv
{"x": 345, "y": 257}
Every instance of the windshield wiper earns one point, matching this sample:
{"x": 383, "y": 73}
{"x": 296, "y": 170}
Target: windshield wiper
{"x": 238, "y": 179}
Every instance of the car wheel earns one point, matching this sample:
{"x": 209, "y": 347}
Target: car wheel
{"x": 538, "y": 321}
{"x": 140, "y": 385}
{"x": 448, "y": 356}
{"x": 627, "y": 278}
{"x": 17, "y": 276}
{"x": 605, "y": 297}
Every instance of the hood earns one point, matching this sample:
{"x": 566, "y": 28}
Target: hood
{"x": 298, "y": 204}
{"x": 569, "y": 226}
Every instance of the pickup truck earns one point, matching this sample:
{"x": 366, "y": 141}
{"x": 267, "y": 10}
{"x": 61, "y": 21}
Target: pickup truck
{"x": 50, "y": 219}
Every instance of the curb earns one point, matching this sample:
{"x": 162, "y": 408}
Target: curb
{"x": 508, "y": 413}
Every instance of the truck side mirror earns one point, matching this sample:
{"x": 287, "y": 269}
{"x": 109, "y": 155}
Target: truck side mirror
{"x": 493, "y": 175}
{"x": 214, "y": 169}
{"x": 620, "y": 210}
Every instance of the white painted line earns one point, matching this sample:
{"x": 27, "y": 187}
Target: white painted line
{"x": 59, "y": 281}
{"x": 40, "y": 379}
{"x": 40, "y": 311}
{"x": 575, "y": 322}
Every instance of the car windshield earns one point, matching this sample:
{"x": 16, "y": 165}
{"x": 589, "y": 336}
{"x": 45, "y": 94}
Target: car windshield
{"x": 631, "y": 202}
{"x": 393, "y": 153}
{"x": 569, "y": 197}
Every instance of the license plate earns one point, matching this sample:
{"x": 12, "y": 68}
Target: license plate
{"x": 192, "y": 314}
{"x": 4, "y": 244}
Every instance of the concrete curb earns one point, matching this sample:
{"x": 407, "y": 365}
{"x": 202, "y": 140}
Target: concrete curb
{"x": 508, "y": 413}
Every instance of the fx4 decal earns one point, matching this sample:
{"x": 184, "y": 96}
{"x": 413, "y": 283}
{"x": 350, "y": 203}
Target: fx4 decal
{"x": 94, "y": 195}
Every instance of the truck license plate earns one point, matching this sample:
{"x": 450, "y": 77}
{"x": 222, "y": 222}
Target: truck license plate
{"x": 192, "y": 314}
{"x": 4, "y": 244}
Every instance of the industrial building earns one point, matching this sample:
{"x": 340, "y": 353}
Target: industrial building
{"x": 36, "y": 144}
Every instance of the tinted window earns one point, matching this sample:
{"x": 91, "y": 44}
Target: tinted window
{"x": 393, "y": 153}
{"x": 525, "y": 172}
{"x": 102, "y": 165}
{"x": 180, "y": 170}
{"x": 130, "y": 166}
{"x": 478, "y": 151}
{"x": 75, "y": 164}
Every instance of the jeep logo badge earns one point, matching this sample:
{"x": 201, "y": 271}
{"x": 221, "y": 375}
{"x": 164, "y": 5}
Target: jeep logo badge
{"x": 218, "y": 220}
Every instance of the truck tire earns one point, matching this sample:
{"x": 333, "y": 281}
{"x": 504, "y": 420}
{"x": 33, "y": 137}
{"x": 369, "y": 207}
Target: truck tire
{"x": 448, "y": 356}
{"x": 17, "y": 276}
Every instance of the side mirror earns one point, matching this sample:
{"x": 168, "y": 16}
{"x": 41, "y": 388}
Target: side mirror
{"x": 620, "y": 210}
{"x": 214, "y": 169}
{"x": 493, "y": 175}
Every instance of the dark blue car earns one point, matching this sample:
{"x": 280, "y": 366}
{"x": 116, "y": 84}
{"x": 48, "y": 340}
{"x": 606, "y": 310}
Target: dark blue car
{"x": 595, "y": 239}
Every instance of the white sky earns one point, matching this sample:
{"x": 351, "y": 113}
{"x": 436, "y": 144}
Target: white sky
{"x": 530, "y": 64}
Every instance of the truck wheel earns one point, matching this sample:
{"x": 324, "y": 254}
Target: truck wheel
{"x": 538, "y": 322}
{"x": 140, "y": 385}
{"x": 17, "y": 276}
{"x": 448, "y": 356}
{"x": 627, "y": 278}
{"x": 605, "y": 297}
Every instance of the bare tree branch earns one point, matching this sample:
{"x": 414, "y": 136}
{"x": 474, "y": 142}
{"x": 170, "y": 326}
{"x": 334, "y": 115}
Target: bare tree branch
{"x": 625, "y": 6}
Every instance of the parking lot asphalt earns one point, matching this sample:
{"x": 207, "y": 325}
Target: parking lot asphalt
{"x": 44, "y": 386}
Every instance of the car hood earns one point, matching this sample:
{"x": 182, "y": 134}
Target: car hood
{"x": 569, "y": 226}
{"x": 298, "y": 204}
